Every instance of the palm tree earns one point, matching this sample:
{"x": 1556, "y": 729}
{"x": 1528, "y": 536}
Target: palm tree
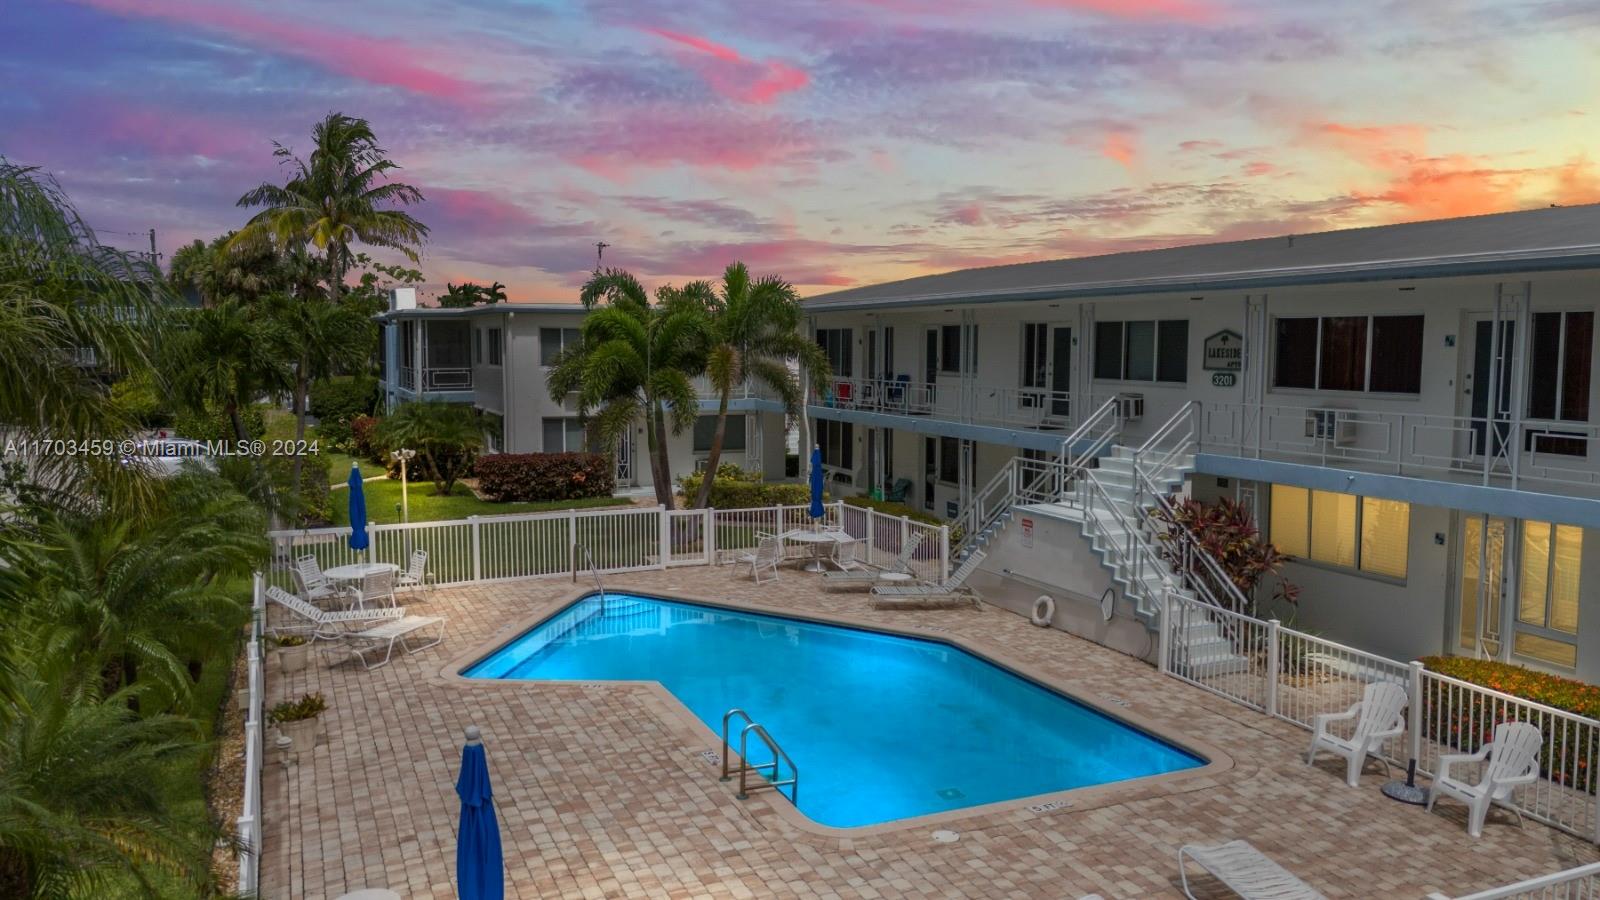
{"x": 752, "y": 332}
{"x": 332, "y": 201}
{"x": 82, "y": 804}
{"x": 447, "y": 437}
{"x": 228, "y": 355}
{"x": 133, "y": 602}
{"x": 634, "y": 359}
{"x": 71, "y": 312}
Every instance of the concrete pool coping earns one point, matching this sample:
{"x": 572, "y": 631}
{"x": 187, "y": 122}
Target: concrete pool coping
{"x": 695, "y": 731}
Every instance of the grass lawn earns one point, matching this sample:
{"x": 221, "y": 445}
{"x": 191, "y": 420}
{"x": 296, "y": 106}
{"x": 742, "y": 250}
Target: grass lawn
{"x": 383, "y": 499}
{"x": 339, "y": 466}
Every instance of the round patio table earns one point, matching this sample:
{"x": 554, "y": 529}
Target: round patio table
{"x": 358, "y": 571}
{"x": 817, "y": 539}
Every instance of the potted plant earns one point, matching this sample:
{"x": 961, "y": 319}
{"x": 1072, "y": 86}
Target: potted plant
{"x": 297, "y": 719}
{"x": 293, "y": 653}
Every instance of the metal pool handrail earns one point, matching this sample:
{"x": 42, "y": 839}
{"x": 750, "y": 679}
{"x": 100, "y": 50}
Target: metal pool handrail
{"x": 594, "y": 570}
{"x": 746, "y": 767}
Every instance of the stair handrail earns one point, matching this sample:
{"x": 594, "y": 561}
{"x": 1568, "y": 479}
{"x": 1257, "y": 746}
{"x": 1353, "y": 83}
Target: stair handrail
{"x": 1190, "y": 549}
{"x": 1138, "y": 551}
{"x": 1186, "y": 418}
{"x": 1108, "y": 419}
{"x": 973, "y": 518}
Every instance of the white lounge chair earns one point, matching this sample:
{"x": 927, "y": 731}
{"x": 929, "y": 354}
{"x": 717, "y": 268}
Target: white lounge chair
{"x": 1246, "y": 871}
{"x": 314, "y": 585}
{"x": 867, "y": 577}
{"x": 417, "y": 575}
{"x": 375, "y": 588}
{"x": 1379, "y": 716}
{"x": 764, "y": 558}
{"x": 385, "y": 635}
{"x": 844, "y": 556}
{"x": 321, "y": 624}
{"x": 953, "y": 587}
{"x": 1513, "y": 758}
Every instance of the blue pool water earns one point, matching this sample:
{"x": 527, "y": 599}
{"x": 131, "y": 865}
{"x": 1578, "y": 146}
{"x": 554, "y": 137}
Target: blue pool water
{"x": 881, "y": 726}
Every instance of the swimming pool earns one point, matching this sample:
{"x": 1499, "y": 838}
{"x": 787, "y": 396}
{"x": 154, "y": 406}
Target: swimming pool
{"x": 881, "y": 726}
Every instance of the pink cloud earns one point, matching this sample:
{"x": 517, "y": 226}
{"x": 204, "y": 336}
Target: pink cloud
{"x": 485, "y": 209}
{"x": 967, "y": 214}
{"x": 731, "y": 74}
{"x": 1386, "y": 146}
{"x": 1193, "y": 11}
{"x": 614, "y": 150}
{"x": 1121, "y": 147}
{"x": 382, "y": 61}
{"x": 170, "y": 133}
{"x": 1259, "y": 169}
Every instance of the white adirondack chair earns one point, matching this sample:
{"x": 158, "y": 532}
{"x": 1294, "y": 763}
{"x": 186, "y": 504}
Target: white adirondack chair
{"x": 1379, "y": 716}
{"x": 1513, "y": 758}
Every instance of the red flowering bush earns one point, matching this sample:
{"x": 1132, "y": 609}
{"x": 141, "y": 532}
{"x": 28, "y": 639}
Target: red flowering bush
{"x": 545, "y": 476}
{"x": 1456, "y": 719}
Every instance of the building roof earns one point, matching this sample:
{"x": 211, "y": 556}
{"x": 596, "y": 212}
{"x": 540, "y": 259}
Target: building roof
{"x": 1540, "y": 239}
{"x": 435, "y": 312}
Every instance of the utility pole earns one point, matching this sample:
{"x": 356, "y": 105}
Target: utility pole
{"x": 599, "y": 254}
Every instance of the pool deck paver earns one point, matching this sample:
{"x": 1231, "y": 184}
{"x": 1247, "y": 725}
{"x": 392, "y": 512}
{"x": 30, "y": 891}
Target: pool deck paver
{"x": 601, "y": 791}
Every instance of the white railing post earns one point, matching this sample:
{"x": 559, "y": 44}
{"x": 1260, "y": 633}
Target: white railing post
{"x": 944, "y": 552}
{"x": 370, "y": 526}
{"x": 871, "y": 528}
{"x": 1274, "y": 662}
{"x": 1414, "y": 710}
{"x": 666, "y": 535}
{"x": 572, "y": 543}
{"x": 477, "y": 550}
{"x": 1164, "y": 624}
{"x": 709, "y": 535}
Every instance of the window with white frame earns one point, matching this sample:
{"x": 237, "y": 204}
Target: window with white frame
{"x": 1035, "y": 354}
{"x": 839, "y": 345}
{"x": 705, "y": 429}
{"x": 564, "y": 435}
{"x": 494, "y": 348}
{"x": 1547, "y": 593}
{"x": 553, "y": 341}
{"x": 1376, "y": 354}
{"x": 1368, "y": 534}
{"x": 951, "y": 453}
{"x": 1558, "y": 380}
{"x": 838, "y": 443}
{"x": 1144, "y": 350}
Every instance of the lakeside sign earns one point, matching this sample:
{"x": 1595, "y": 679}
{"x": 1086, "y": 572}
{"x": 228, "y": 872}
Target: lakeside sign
{"x": 1224, "y": 352}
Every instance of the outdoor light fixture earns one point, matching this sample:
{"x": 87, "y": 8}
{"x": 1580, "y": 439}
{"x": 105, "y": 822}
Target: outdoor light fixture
{"x": 403, "y": 456}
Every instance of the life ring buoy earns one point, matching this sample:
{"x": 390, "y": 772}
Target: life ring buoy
{"x": 1044, "y": 610}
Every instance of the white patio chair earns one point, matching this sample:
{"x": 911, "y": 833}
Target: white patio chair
{"x": 386, "y": 635}
{"x": 1246, "y": 871}
{"x": 417, "y": 575}
{"x": 764, "y": 558}
{"x": 321, "y": 624}
{"x": 314, "y": 585}
{"x": 866, "y": 577}
{"x": 375, "y": 588}
{"x": 1513, "y": 758}
{"x": 844, "y": 556}
{"x": 1379, "y": 716}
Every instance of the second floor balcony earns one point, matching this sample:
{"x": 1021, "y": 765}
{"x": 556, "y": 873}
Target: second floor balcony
{"x": 964, "y": 401}
{"x": 434, "y": 379}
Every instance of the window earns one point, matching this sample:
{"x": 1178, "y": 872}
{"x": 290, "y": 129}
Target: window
{"x": 1381, "y": 354}
{"x": 1365, "y": 533}
{"x": 705, "y": 428}
{"x": 837, "y": 343}
{"x": 950, "y": 349}
{"x": 949, "y": 460}
{"x": 1142, "y": 351}
{"x": 477, "y": 346}
{"x": 1547, "y": 595}
{"x": 838, "y": 443}
{"x": 552, "y": 341}
{"x": 1558, "y": 366}
{"x": 494, "y": 348}
{"x": 564, "y": 436}
{"x": 1035, "y": 354}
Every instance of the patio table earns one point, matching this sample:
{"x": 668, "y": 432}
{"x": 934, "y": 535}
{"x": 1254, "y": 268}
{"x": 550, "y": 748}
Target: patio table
{"x": 358, "y": 571}
{"x": 818, "y": 540}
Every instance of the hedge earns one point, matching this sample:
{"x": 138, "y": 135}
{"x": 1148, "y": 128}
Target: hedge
{"x": 736, "y": 488}
{"x": 1474, "y": 720}
{"x": 545, "y": 476}
{"x": 342, "y": 399}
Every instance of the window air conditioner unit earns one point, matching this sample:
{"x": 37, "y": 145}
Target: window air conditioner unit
{"x": 1130, "y": 407}
{"x": 1326, "y": 425}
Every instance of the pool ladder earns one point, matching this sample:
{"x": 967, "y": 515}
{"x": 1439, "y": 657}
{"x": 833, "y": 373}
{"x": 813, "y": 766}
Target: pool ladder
{"x": 588, "y": 561}
{"x": 772, "y": 782}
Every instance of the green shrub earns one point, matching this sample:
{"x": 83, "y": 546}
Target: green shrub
{"x": 335, "y": 436}
{"x": 307, "y": 707}
{"x": 213, "y": 424}
{"x": 1467, "y": 723}
{"x": 736, "y": 488}
{"x": 545, "y": 476}
{"x": 342, "y": 399}
{"x": 890, "y": 508}
{"x": 137, "y": 395}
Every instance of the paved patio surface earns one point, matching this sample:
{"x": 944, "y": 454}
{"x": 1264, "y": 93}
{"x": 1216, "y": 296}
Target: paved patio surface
{"x": 602, "y": 791}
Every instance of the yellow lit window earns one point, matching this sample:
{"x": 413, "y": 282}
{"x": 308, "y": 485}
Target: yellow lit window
{"x": 1547, "y": 592}
{"x": 1385, "y": 533}
{"x": 1291, "y": 508}
{"x": 1333, "y": 528}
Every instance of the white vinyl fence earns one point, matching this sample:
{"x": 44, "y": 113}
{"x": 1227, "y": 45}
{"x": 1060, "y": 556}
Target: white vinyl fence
{"x": 1297, "y": 676}
{"x": 1581, "y": 883}
{"x": 248, "y": 826}
{"x": 621, "y": 539}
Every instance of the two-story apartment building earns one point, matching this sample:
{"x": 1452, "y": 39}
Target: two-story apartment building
{"x": 1409, "y": 410}
{"x": 496, "y": 358}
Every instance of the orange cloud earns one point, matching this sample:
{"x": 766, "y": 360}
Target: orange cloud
{"x": 1120, "y": 146}
{"x": 733, "y": 76}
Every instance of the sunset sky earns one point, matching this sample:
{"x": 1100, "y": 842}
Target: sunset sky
{"x": 830, "y": 143}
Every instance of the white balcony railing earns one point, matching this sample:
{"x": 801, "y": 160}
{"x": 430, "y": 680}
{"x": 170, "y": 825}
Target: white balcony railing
{"x": 451, "y": 379}
{"x": 958, "y": 401}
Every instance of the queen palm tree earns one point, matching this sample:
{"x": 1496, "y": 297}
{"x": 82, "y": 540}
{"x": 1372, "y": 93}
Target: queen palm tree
{"x": 339, "y": 197}
{"x": 447, "y": 437}
{"x": 227, "y": 356}
{"x": 71, "y": 312}
{"x": 634, "y": 359}
{"x": 752, "y": 331}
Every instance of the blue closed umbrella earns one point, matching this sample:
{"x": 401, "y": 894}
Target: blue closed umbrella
{"x": 816, "y": 511}
{"x": 480, "y": 869}
{"x": 358, "y": 510}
